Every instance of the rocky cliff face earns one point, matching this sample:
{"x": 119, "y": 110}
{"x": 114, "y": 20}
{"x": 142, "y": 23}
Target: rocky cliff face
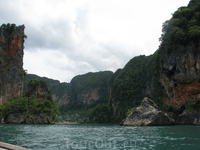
{"x": 180, "y": 57}
{"x": 61, "y": 100}
{"x": 171, "y": 76}
{"x": 24, "y": 119}
{"x": 39, "y": 89}
{"x": 91, "y": 88}
{"x": 62, "y": 93}
{"x": 180, "y": 76}
{"x": 11, "y": 61}
{"x": 88, "y": 96}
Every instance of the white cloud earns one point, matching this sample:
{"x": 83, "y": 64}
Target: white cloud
{"x": 71, "y": 37}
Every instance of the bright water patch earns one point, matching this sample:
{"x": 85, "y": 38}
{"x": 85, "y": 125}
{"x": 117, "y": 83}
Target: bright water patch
{"x": 94, "y": 137}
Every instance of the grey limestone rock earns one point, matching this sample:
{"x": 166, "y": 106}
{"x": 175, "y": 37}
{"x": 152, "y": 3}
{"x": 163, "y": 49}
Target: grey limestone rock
{"x": 147, "y": 114}
{"x": 15, "y": 119}
{"x": 189, "y": 117}
{"x": 22, "y": 118}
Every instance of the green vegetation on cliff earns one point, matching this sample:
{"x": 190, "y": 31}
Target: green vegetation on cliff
{"x": 91, "y": 92}
{"x": 82, "y": 96}
{"x": 102, "y": 113}
{"x": 83, "y": 83}
{"x": 183, "y": 28}
{"x": 135, "y": 81}
{"x": 30, "y": 105}
{"x": 8, "y": 30}
{"x": 59, "y": 90}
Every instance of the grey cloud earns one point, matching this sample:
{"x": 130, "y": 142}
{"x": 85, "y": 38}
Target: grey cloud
{"x": 67, "y": 41}
{"x": 9, "y": 13}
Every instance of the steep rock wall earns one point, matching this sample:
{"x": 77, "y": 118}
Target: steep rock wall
{"x": 91, "y": 88}
{"x": 89, "y": 95}
{"x": 11, "y": 61}
{"x": 180, "y": 76}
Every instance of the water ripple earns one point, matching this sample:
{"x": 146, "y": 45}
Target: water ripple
{"x": 89, "y": 136}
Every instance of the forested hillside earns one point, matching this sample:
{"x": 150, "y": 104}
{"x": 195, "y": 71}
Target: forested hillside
{"x": 135, "y": 81}
{"x": 83, "y": 92}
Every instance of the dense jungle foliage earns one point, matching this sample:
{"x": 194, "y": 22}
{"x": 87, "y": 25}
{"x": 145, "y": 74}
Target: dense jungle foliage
{"x": 135, "y": 81}
{"x": 183, "y": 28}
{"x": 30, "y": 105}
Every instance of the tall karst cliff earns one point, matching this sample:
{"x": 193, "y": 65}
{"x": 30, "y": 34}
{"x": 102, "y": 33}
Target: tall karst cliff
{"x": 171, "y": 76}
{"x": 11, "y": 61}
{"x": 180, "y": 57}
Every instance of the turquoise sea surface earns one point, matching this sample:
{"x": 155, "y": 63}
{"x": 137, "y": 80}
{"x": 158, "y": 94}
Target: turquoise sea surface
{"x": 101, "y": 136}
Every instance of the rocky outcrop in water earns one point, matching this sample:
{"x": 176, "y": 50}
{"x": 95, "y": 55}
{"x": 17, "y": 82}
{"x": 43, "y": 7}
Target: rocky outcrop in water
{"x": 23, "y": 118}
{"x": 147, "y": 114}
{"x": 180, "y": 76}
{"x": 11, "y": 61}
{"x": 189, "y": 117}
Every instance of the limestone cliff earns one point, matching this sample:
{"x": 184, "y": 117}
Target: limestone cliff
{"x": 11, "y": 61}
{"x": 88, "y": 96}
{"x": 62, "y": 92}
{"x": 180, "y": 57}
{"x": 91, "y": 88}
{"x": 180, "y": 76}
{"x": 171, "y": 76}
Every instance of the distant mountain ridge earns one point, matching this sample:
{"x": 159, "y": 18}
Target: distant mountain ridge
{"x": 83, "y": 91}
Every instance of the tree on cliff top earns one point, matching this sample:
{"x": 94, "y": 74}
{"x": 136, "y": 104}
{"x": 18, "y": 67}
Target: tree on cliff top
{"x": 9, "y": 28}
{"x": 183, "y": 27}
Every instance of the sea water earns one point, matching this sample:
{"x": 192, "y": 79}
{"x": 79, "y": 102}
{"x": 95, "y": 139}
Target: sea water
{"x": 101, "y": 136}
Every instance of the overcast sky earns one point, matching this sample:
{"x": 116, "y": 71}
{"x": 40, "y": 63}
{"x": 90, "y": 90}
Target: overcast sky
{"x": 71, "y": 37}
